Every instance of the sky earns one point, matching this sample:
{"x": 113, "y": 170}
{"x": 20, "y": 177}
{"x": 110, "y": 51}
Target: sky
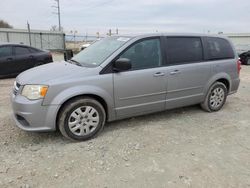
{"x": 131, "y": 16}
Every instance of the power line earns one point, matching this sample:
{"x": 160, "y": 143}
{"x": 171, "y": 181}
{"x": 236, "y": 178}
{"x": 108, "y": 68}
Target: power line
{"x": 99, "y": 5}
{"x": 104, "y": 3}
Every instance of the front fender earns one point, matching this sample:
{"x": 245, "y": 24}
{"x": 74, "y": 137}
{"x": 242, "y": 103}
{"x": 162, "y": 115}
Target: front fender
{"x": 75, "y": 91}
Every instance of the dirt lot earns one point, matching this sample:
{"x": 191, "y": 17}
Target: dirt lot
{"x": 179, "y": 148}
{"x": 57, "y": 56}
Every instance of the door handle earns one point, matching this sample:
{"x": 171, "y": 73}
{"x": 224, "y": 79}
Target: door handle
{"x": 31, "y": 56}
{"x": 9, "y": 59}
{"x": 175, "y": 72}
{"x": 159, "y": 74}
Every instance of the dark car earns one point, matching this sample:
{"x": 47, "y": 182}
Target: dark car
{"x": 16, "y": 58}
{"x": 245, "y": 58}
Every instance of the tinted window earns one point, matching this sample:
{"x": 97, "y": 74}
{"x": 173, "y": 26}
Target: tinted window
{"x": 184, "y": 49}
{"x": 144, "y": 54}
{"x": 218, "y": 48}
{"x": 5, "y": 51}
{"x": 33, "y": 50}
{"x": 21, "y": 50}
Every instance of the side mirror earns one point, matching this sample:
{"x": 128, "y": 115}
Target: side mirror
{"x": 122, "y": 64}
{"x": 68, "y": 54}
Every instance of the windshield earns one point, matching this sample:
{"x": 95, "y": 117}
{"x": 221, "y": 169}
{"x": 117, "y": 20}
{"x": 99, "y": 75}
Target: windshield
{"x": 99, "y": 51}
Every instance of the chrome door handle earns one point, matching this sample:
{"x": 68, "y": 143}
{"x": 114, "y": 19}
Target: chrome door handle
{"x": 175, "y": 72}
{"x": 159, "y": 74}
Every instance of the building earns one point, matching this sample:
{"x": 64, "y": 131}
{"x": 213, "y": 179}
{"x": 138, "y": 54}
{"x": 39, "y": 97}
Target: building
{"x": 241, "y": 41}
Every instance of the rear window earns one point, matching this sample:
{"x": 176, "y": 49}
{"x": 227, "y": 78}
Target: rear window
{"x": 218, "y": 48}
{"x": 21, "y": 50}
{"x": 184, "y": 50}
{"x": 33, "y": 50}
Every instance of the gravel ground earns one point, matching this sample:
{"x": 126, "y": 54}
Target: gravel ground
{"x": 57, "y": 56}
{"x": 185, "y": 147}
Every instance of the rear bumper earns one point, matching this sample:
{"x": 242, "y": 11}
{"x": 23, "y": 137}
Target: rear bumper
{"x": 32, "y": 115}
{"x": 234, "y": 86}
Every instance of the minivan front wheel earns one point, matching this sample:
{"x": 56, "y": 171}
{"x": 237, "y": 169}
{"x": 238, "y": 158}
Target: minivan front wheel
{"x": 81, "y": 119}
{"x": 216, "y": 97}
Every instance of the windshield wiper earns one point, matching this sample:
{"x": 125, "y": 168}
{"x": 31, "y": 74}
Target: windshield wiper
{"x": 75, "y": 62}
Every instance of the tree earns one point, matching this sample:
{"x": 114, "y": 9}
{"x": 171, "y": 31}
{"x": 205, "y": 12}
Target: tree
{"x": 4, "y": 24}
{"x": 55, "y": 28}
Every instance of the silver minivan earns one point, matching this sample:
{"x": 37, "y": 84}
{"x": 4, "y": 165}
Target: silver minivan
{"x": 124, "y": 76}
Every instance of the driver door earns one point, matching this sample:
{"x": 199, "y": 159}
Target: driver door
{"x": 143, "y": 88}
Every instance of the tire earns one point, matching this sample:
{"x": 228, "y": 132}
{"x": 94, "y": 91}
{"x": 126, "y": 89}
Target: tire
{"x": 215, "y": 98}
{"x": 247, "y": 61}
{"x": 81, "y": 119}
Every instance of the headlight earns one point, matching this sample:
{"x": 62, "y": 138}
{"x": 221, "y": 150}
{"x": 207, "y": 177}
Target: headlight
{"x": 34, "y": 92}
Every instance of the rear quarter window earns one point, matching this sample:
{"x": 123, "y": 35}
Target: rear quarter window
{"x": 33, "y": 50}
{"x": 218, "y": 48}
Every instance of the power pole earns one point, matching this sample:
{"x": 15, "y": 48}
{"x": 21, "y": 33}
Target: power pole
{"x": 74, "y": 35}
{"x": 86, "y": 37}
{"x": 58, "y": 12}
{"x": 28, "y": 27}
{"x": 110, "y": 32}
{"x": 98, "y": 34}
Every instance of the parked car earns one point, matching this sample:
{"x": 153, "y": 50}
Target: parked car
{"x": 121, "y": 77}
{"x": 241, "y": 48}
{"x": 16, "y": 58}
{"x": 245, "y": 58}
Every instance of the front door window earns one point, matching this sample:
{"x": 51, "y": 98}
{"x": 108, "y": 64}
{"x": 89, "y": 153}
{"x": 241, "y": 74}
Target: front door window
{"x": 144, "y": 54}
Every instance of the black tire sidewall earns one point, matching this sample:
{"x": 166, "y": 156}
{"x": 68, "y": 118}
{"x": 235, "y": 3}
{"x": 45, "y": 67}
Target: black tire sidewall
{"x": 247, "y": 61}
{"x": 217, "y": 85}
{"x": 74, "y": 107}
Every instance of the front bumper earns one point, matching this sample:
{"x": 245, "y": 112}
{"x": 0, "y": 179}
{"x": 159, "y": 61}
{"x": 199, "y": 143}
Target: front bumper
{"x": 32, "y": 115}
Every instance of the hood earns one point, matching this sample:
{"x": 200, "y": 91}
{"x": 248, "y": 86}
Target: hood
{"x": 52, "y": 71}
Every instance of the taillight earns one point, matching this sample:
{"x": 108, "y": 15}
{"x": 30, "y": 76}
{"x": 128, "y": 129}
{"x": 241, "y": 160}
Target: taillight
{"x": 50, "y": 55}
{"x": 238, "y": 66}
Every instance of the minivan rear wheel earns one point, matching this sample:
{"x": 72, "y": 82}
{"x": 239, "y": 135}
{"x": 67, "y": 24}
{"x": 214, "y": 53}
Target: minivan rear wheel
{"x": 216, "y": 97}
{"x": 81, "y": 119}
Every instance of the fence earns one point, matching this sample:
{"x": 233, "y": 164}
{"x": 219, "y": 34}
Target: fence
{"x": 81, "y": 38}
{"x": 38, "y": 39}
